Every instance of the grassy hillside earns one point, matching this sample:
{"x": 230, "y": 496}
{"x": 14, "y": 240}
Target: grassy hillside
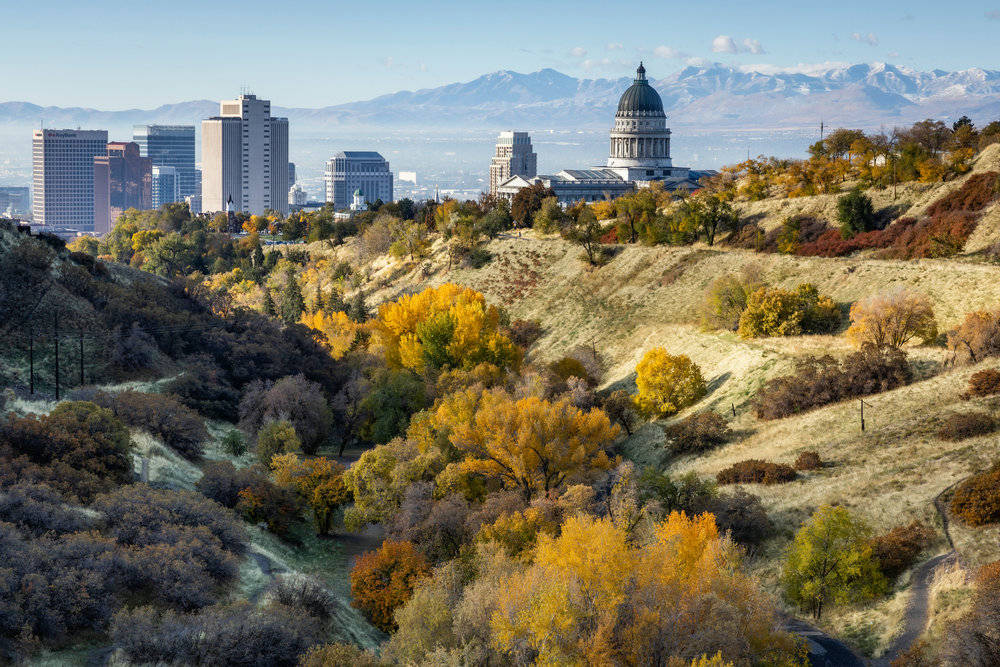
{"x": 650, "y": 296}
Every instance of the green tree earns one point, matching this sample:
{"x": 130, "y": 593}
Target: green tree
{"x": 395, "y": 396}
{"x": 527, "y": 201}
{"x": 170, "y": 255}
{"x": 855, "y": 213}
{"x": 277, "y": 437}
{"x": 292, "y": 303}
{"x": 831, "y": 561}
{"x": 585, "y": 231}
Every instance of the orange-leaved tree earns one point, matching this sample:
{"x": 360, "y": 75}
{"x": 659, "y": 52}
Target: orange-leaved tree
{"x": 384, "y": 579}
{"x": 592, "y": 596}
{"x": 338, "y": 331}
{"x": 892, "y": 318}
{"x": 531, "y": 444}
{"x": 445, "y": 326}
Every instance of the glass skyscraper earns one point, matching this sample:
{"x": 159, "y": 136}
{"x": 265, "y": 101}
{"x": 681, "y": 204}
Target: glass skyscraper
{"x": 170, "y": 146}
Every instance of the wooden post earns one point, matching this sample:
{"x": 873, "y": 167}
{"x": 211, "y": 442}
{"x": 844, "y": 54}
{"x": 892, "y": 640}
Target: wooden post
{"x": 862, "y": 415}
{"x": 734, "y": 408}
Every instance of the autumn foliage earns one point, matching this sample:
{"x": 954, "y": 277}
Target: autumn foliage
{"x": 772, "y": 311}
{"x": 977, "y": 499}
{"x": 892, "y": 318}
{"x": 443, "y": 326}
{"x": 384, "y": 579}
{"x": 754, "y": 471}
{"x": 667, "y": 383}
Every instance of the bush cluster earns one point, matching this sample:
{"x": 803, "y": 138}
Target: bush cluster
{"x": 808, "y": 461}
{"x": 755, "y": 471}
{"x": 966, "y": 425}
{"x": 821, "y": 380}
{"x": 977, "y": 499}
{"x": 293, "y": 399}
{"x": 222, "y": 482}
{"x": 777, "y": 312}
{"x": 178, "y": 426}
{"x": 985, "y": 382}
{"x": 697, "y": 433}
{"x": 897, "y": 550}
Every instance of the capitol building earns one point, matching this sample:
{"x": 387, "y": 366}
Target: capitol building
{"x": 639, "y": 154}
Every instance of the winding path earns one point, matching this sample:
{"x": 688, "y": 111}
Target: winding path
{"x": 824, "y": 650}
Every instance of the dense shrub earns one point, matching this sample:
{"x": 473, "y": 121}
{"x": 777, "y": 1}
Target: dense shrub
{"x": 966, "y": 425}
{"x": 985, "y": 382}
{"x": 524, "y": 333}
{"x": 741, "y": 514}
{"x": 79, "y": 449}
{"x": 620, "y": 408}
{"x": 897, "y": 550}
{"x": 237, "y": 634}
{"x": 568, "y": 367}
{"x": 793, "y": 233}
{"x": 978, "y": 192}
{"x": 754, "y": 471}
{"x": 892, "y": 318}
{"x": 265, "y": 503}
{"x": 382, "y": 580}
{"x": 855, "y": 213}
{"x": 831, "y": 242}
{"x": 292, "y": 399}
{"x": 36, "y": 509}
{"x": 977, "y": 337}
{"x": 222, "y": 482}
{"x": 667, "y": 383}
{"x": 820, "y": 380}
{"x": 298, "y": 591}
{"x": 778, "y": 312}
{"x": 162, "y": 416}
{"x": 203, "y": 388}
{"x": 727, "y": 296}
{"x": 977, "y": 499}
{"x": 277, "y": 437}
{"x": 697, "y": 433}
{"x": 338, "y": 653}
{"x": 438, "y": 528}
{"x": 808, "y": 461}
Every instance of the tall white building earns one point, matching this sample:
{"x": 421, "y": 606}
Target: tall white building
{"x": 366, "y": 171}
{"x": 244, "y": 155}
{"x": 513, "y": 157}
{"x": 63, "y": 176}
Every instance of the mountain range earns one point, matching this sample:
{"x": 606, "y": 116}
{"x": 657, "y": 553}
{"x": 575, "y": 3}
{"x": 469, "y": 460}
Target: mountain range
{"x": 705, "y": 97}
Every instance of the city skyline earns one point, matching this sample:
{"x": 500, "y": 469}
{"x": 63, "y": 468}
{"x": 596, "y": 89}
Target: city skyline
{"x": 378, "y": 56}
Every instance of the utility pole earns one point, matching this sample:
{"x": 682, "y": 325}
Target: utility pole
{"x": 31, "y": 358}
{"x": 55, "y": 322}
{"x": 81, "y": 356}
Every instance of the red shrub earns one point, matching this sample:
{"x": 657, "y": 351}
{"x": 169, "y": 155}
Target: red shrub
{"x": 966, "y": 425}
{"x": 808, "y": 461}
{"x": 897, "y": 550}
{"x": 977, "y": 499}
{"x": 975, "y": 194}
{"x": 985, "y": 382}
{"x": 753, "y": 471}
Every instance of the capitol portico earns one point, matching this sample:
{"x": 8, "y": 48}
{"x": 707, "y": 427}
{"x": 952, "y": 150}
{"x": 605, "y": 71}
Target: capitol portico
{"x": 639, "y": 153}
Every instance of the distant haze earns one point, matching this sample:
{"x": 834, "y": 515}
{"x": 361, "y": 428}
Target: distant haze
{"x": 717, "y": 112}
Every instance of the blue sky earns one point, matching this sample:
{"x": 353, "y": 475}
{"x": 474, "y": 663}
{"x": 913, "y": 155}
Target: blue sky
{"x": 142, "y": 53}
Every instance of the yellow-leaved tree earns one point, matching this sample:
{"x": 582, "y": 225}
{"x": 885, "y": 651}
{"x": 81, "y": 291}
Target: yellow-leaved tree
{"x": 531, "y": 444}
{"x": 892, "y": 318}
{"x": 337, "y": 329}
{"x": 445, "y": 326}
{"x": 667, "y": 383}
{"x": 593, "y": 597}
{"x": 319, "y": 482}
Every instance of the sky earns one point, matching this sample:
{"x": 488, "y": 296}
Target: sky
{"x": 140, "y": 54}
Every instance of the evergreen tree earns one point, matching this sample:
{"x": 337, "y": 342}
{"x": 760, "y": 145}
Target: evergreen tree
{"x": 319, "y": 306}
{"x": 358, "y": 310}
{"x": 269, "y": 308}
{"x": 292, "y": 303}
{"x": 336, "y": 303}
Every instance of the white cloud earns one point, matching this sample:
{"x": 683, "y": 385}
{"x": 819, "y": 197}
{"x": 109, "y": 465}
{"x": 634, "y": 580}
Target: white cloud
{"x": 870, "y": 38}
{"x": 604, "y": 64}
{"x": 697, "y": 62}
{"x": 893, "y": 54}
{"x": 667, "y": 52}
{"x": 615, "y": 46}
{"x": 578, "y": 52}
{"x": 811, "y": 69}
{"x": 724, "y": 44}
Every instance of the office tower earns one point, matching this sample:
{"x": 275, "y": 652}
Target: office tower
{"x": 513, "y": 157}
{"x": 194, "y": 204}
{"x": 245, "y": 155}
{"x": 166, "y": 186}
{"x": 278, "y": 188}
{"x": 122, "y": 180}
{"x": 297, "y": 196}
{"x": 291, "y": 174}
{"x": 170, "y": 146}
{"x": 14, "y": 201}
{"x": 63, "y": 176}
{"x": 366, "y": 171}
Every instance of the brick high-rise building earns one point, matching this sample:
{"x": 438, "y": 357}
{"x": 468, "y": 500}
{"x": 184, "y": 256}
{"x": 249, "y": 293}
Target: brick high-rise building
{"x": 513, "y": 157}
{"x": 122, "y": 180}
{"x": 63, "y": 176}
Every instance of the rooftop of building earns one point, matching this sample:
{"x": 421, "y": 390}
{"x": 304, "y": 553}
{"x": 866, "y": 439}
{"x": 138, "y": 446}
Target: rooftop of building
{"x": 640, "y": 99}
{"x": 360, "y": 155}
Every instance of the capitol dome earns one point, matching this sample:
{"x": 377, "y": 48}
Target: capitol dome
{"x": 641, "y": 99}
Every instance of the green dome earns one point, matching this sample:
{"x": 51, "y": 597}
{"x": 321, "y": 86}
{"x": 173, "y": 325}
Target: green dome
{"x": 640, "y": 99}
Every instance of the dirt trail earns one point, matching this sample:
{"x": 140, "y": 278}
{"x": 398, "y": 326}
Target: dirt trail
{"x": 824, "y": 650}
